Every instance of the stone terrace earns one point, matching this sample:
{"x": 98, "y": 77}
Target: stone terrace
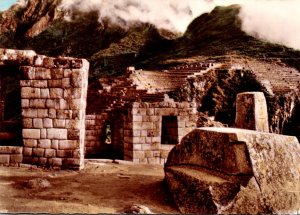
{"x": 169, "y": 80}
{"x": 276, "y": 77}
{"x": 111, "y": 95}
{"x": 140, "y": 85}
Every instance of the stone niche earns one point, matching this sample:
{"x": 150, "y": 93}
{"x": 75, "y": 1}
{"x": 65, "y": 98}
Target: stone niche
{"x": 53, "y": 103}
{"x": 236, "y": 171}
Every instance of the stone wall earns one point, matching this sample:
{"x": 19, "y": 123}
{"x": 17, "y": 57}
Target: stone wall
{"x": 95, "y": 146}
{"x": 95, "y": 134}
{"x": 143, "y": 126}
{"x": 53, "y": 92}
{"x": 11, "y": 155}
{"x": 53, "y": 111}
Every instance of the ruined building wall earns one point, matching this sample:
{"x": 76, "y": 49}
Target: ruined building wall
{"x": 136, "y": 107}
{"x": 53, "y": 111}
{"x": 95, "y": 134}
{"x": 143, "y": 129}
{"x": 53, "y": 92}
{"x": 11, "y": 155}
{"x": 95, "y": 145}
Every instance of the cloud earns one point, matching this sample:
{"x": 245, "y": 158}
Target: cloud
{"x": 22, "y": 3}
{"x": 274, "y": 20}
{"x": 169, "y": 14}
{"x": 277, "y": 21}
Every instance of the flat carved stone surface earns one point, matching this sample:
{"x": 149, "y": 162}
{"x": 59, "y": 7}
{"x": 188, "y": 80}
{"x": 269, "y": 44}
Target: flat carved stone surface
{"x": 253, "y": 172}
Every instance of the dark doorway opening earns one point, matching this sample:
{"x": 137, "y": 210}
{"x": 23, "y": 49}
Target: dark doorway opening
{"x": 169, "y": 130}
{"x": 114, "y": 139}
{"x": 10, "y": 107}
{"x": 108, "y": 152}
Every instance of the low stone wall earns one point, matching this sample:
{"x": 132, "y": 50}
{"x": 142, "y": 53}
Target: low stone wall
{"x": 11, "y": 155}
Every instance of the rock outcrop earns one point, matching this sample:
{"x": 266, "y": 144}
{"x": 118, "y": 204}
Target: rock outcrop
{"x": 229, "y": 170}
{"x": 215, "y": 92}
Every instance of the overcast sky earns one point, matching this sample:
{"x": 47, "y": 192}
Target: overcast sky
{"x": 4, "y": 4}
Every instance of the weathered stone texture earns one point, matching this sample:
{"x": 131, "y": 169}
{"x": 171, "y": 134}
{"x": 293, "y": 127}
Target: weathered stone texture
{"x": 46, "y": 107}
{"x": 251, "y": 111}
{"x": 31, "y": 133}
{"x": 95, "y": 131}
{"x": 11, "y": 155}
{"x": 4, "y": 159}
{"x": 226, "y": 170}
{"x": 144, "y": 129}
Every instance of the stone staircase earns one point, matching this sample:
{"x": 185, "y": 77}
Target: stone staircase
{"x": 138, "y": 85}
{"x": 169, "y": 80}
{"x": 151, "y": 86}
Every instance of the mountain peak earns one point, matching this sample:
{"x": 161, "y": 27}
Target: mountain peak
{"x": 43, "y": 27}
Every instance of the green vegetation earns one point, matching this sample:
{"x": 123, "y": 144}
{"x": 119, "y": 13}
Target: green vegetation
{"x": 110, "y": 48}
{"x": 218, "y": 34}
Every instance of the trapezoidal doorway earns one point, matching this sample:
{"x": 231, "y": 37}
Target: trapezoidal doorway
{"x": 169, "y": 130}
{"x": 10, "y": 107}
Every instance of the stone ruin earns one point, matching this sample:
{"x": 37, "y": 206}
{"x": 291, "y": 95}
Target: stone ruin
{"x": 251, "y": 111}
{"x": 48, "y": 98}
{"x": 145, "y": 122}
{"x": 234, "y": 170}
{"x": 51, "y": 117}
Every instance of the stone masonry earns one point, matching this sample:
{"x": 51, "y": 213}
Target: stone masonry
{"x": 53, "y": 92}
{"x": 143, "y": 129}
{"x": 140, "y": 110}
{"x": 145, "y": 122}
{"x": 11, "y": 155}
{"x": 95, "y": 129}
{"x": 251, "y": 111}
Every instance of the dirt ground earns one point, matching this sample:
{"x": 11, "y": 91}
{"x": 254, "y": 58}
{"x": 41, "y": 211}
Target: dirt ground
{"x": 101, "y": 187}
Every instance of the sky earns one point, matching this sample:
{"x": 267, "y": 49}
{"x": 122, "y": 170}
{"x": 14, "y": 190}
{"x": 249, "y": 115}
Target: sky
{"x": 5, "y": 4}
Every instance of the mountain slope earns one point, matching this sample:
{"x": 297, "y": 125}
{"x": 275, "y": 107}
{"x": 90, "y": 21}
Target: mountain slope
{"x": 218, "y": 35}
{"x": 41, "y": 26}
{"x": 110, "y": 49}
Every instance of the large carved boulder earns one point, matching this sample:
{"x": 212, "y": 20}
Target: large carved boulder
{"x": 230, "y": 170}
